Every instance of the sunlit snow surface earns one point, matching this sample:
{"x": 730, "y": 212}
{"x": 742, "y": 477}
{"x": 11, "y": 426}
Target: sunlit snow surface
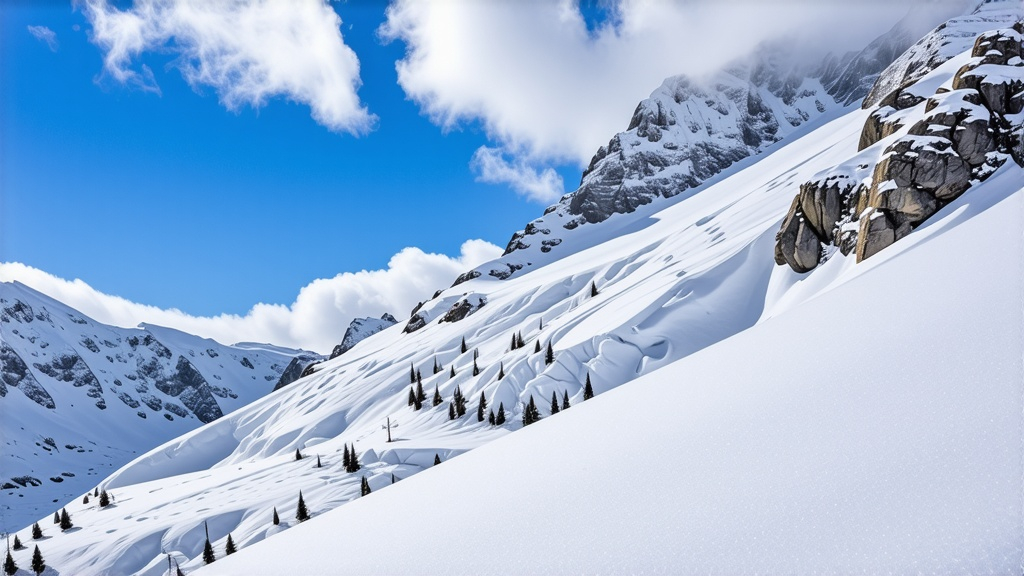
{"x": 859, "y": 419}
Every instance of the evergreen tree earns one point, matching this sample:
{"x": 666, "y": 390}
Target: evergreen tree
{"x": 437, "y": 396}
{"x": 17, "y": 543}
{"x": 412, "y": 373}
{"x": 420, "y": 396}
{"x": 480, "y": 412}
{"x": 437, "y": 459}
{"x": 549, "y": 357}
{"x": 437, "y": 367}
{"x": 229, "y": 546}
{"x": 519, "y": 340}
{"x": 298, "y": 455}
{"x": 476, "y": 353}
{"x": 463, "y": 348}
{"x": 10, "y": 567}
{"x": 554, "y": 403}
{"x": 37, "y": 532}
{"x": 483, "y": 400}
{"x": 318, "y": 461}
{"x": 38, "y": 565}
{"x": 346, "y": 460}
{"x": 530, "y": 412}
{"x": 588, "y": 390}
{"x": 364, "y": 488}
{"x": 96, "y": 491}
{"x": 301, "y": 514}
{"x": 451, "y": 410}
{"x": 500, "y": 418}
{"x": 65, "y": 520}
{"x": 277, "y": 519}
{"x": 460, "y": 403}
{"x": 501, "y": 371}
{"x": 565, "y": 400}
{"x": 451, "y": 374}
{"x": 412, "y": 396}
{"x": 536, "y": 346}
{"x": 56, "y": 517}
{"x": 476, "y": 369}
{"x": 540, "y": 324}
{"x": 104, "y": 499}
{"x": 85, "y": 499}
{"x": 392, "y": 478}
{"x": 513, "y": 342}
{"x": 353, "y": 460}
{"x": 208, "y": 556}
{"x": 593, "y": 289}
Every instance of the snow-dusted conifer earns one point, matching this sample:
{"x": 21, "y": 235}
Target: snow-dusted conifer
{"x": 437, "y": 459}
{"x": 500, "y": 418}
{"x": 519, "y": 340}
{"x": 37, "y": 532}
{"x": 490, "y": 417}
{"x": 10, "y": 567}
{"x": 554, "y": 402}
{"x": 229, "y": 546}
{"x": 565, "y": 400}
{"x": 437, "y": 397}
{"x": 364, "y": 487}
{"x": 301, "y": 514}
{"x": 536, "y": 346}
{"x": 451, "y": 410}
{"x": 277, "y": 519}
{"x": 501, "y": 371}
{"x": 298, "y": 454}
{"x": 345, "y": 458}
{"x": 65, "y": 520}
{"x": 38, "y": 564}
{"x": 588, "y": 390}
{"x": 17, "y": 543}
{"x": 104, "y": 499}
{"x": 463, "y": 348}
{"x": 549, "y": 357}
{"x": 593, "y": 289}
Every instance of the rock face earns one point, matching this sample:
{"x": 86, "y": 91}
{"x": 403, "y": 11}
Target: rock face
{"x": 464, "y": 307}
{"x": 360, "y": 329}
{"x": 937, "y": 145}
{"x": 691, "y": 129}
{"x": 297, "y": 368}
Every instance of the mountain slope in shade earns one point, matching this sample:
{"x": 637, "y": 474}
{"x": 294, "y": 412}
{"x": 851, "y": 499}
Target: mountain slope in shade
{"x": 79, "y": 398}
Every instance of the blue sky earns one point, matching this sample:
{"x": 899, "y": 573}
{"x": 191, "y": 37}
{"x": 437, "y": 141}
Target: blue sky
{"x": 247, "y": 170}
{"x": 174, "y": 201}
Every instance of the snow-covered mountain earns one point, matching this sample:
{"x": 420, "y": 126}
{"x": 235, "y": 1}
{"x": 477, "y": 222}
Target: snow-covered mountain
{"x": 860, "y": 417}
{"x": 80, "y": 398}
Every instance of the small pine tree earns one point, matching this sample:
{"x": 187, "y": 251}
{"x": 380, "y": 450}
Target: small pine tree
{"x": 229, "y": 546}
{"x": 56, "y": 517}
{"x": 460, "y": 403}
{"x": 500, "y": 418}
{"x": 588, "y": 390}
{"x": 65, "y": 520}
{"x": 483, "y": 400}
{"x": 412, "y": 373}
{"x": 463, "y": 348}
{"x": 96, "y": 491}
{"x": 420, "y": 395}
{"x": 437, "y": 367}
{"x": 540, "y": 324}
{"x": 554, "y": 402}
{"x": 593, "y": 289}
{"x": 364, "y": 487}
{"x": 318, "y": 461}
{"x": 353, "y": 460}
{"x": 451, "y": 410}
{"x": 549, "y": 357}
{"x": 37, "y": 532}
{"x": 479, "y": 412}
{"x": 208, "y": 556}
{"x": 277, "y": 519}
{"x": 38, "y": 565}
{"x": 104, "y": 499}
{"x": 536, "y": 346}
{"x": 17, "y": 543}
{"x": 412, "y": 396}
{"x": 298, "y": 455}
{"x": 85, "y": 499}
{"x": 513, "y": 342}
{"x": 301, "y": 514}
{"x": 501, "y": 371}
{"x": 476, "y": 369}
{"x": 451, "y": 373}
{"x": 392, "y": 478}
{"x": 476, "y": 353}
{"x": 346, "y": 460}
{"x": 10, "y": 567}
{"x": 530, "y": 412}
{"x": 490, "y": 417}
{"x": 437, "y": 396}
{"x": 437, "y": 459}
{"x": 519, "y": 340}
{"x": 565, "y": 400}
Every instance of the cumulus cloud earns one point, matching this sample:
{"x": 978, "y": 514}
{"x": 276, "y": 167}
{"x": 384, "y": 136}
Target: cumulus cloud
{"x": 491, "y": 166}
{"x": 315, "y": 321}
{"x": 44, "y": 34}
{"x": 544, "y": 84}
{"x": 248, "y": 50}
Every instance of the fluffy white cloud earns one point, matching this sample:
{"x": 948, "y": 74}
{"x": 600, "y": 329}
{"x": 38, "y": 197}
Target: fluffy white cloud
{"x": 315, "y": 321}
{"x": 545, "y": 86}
{"x": 247, "y": 50}
{"x": 491, "y": 166}
{"x": 44, "y": 34}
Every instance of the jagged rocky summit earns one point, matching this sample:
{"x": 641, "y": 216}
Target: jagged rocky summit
{"x": 940, "y": 131}
{"x": 360, "y": 329}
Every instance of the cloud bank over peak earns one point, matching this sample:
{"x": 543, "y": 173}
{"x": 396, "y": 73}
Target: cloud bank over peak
{"x": 315, "y": 321}
{"x": 247, "y": 50}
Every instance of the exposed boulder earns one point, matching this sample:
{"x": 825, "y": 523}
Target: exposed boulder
{"x": 296, "y": 368}
{"x": 877, "y": 231}
{"x": 796, "y": 243}
{"x": 464, "y": 307}
{"x": 189, "y": 386}
{"x": 15, "y": 373}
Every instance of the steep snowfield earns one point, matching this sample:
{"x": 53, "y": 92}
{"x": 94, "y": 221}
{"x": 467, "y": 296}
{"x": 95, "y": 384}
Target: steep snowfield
{"x": 80, "y": 399}
{"x": 876, "y": 429}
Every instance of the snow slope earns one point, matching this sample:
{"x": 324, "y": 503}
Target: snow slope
{"x": 803, "y": 368}
{"x": 80, "y": 399}
{"x": 874, "y": 430}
